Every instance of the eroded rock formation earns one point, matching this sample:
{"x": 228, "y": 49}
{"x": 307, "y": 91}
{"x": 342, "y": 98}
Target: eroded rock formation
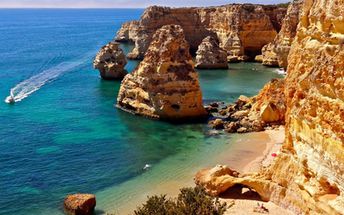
{"x": 165, "y": 84}
{"x": 210, "y": 55}
{"x": 242, "y": 29}
{"x": 110, "y": 61}
{"x": 307, "y": 176}
{"x": 276, "y": 52}
{"x": 127, "y": 32}
{"x": 267, "y": 109}
{"x": 80, "y": 204}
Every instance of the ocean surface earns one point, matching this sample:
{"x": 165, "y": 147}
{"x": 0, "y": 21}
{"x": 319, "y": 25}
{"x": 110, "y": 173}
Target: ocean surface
{"x": 64, "y": 134}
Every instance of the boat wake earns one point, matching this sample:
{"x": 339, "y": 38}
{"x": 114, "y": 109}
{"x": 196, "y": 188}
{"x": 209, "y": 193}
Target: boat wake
{"x": 35, "y": 82}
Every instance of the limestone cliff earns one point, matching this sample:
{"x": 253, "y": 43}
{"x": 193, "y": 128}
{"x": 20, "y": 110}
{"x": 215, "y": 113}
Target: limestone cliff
{"x": 110, "y": 61}
{"x": 210, "y": 55}
{"x": 127, "y": 32}
{"x": 315, "y": 101}
{"x": 165, "y": 84}
{"x": 242, "y": 29}
{"x": 276, "y": 52}
{"x": 308, "y": 175}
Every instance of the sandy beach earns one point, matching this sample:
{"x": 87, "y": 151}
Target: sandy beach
{"x": 246, "y": 153}
{"x": 241, "y": 200}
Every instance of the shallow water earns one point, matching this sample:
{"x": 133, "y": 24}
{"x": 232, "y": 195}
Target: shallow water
{"x": 67, "y": 137}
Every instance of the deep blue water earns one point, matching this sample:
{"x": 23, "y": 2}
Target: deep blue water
{"x": 67, "y": 136}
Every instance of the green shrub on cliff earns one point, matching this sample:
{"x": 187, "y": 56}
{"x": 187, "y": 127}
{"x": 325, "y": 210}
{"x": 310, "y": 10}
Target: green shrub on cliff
{"x": 190, "y": 201}
{"x": 283, "y": 4}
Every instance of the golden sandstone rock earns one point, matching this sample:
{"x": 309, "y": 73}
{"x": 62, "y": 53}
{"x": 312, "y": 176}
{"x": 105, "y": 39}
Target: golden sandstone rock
{"x": 267, "y": 109}
{"x": 165, "y": 84}
{"x": 276, "y": 52}
{"x": 110, "y": 61}
{"x": 242, "y": 29}
{"x": 210, "y": 55}
{"x": 270, "y": 105}
{"x": 127, "y": 31}
{"x": 308, "y": 176}
{"x": 80, "y": 204}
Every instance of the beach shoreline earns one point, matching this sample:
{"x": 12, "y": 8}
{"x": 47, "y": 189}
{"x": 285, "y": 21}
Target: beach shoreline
{"x": 243, "y": 201}
{"x": 246, "y": 153}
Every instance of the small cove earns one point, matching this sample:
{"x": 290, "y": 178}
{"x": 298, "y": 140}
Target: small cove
{"x": 67, "y": 136}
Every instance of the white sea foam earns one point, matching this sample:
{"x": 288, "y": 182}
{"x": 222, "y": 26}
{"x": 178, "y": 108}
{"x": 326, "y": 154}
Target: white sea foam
{"x": 280, "y": 71}
{"x": 35, "y": 82}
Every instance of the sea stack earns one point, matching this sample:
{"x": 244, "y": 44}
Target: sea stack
{"x": 165, "y": 84}
{"x": 110, "y": 61}
{"x": 210, "y": 55}
{"x": 276, "y": 53}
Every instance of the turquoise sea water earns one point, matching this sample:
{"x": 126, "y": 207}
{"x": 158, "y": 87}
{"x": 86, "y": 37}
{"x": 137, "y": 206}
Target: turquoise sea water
{"x": 65, "y": 135}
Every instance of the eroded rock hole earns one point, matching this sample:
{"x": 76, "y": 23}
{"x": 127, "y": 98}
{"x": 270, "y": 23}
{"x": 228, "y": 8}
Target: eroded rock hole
{"x": 175, "y": 107}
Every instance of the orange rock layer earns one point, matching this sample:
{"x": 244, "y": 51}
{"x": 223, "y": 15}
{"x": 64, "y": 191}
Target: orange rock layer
{"x": 307, "y": 177}
{"x": 276, "y": 53}
{"x": 242, "y": 29}
{"x": 165, "y": 84}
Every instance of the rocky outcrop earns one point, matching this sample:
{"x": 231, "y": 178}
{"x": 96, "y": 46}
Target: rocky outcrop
{"x": 219, "y": 179}
{"x": 127, "y": 32}
{"x": 242, "y": 29}
{"x": 165, "y": 84}
{"x": 307, "y": 176}
{"x": 276, "y": 52}
{"x": 269, "y": 55}
{"x": 315, "y": 107}
{"x": 210, "y": 55}
{"x": 267, "y": 109}
{"x": 80, "y": 204}
{"x": 110, "y": 61}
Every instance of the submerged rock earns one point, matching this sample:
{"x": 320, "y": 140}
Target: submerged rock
{"x": 210, "y": 55}
{"x": 110, "y": 61}
{"x": 165, "y": 84}
{"x": 80, "y": 204}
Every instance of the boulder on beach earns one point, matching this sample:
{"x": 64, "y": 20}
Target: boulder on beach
{"x": 80, "y": 204}
{"x": 267, "y": 109}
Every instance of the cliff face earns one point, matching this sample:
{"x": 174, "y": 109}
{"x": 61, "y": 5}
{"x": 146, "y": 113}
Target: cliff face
{"x": 165, "y": 84}
{"x": 276, "y": 52}
{"x": 127, "y": 32}
{"x": 210, "y": 55}
{"x": 308, "y": 175}
{"x": 315, "y": 101}
{"x": 242, "y": 29}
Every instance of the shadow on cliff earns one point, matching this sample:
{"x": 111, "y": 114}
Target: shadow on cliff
{"x": 240, "y": 192}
